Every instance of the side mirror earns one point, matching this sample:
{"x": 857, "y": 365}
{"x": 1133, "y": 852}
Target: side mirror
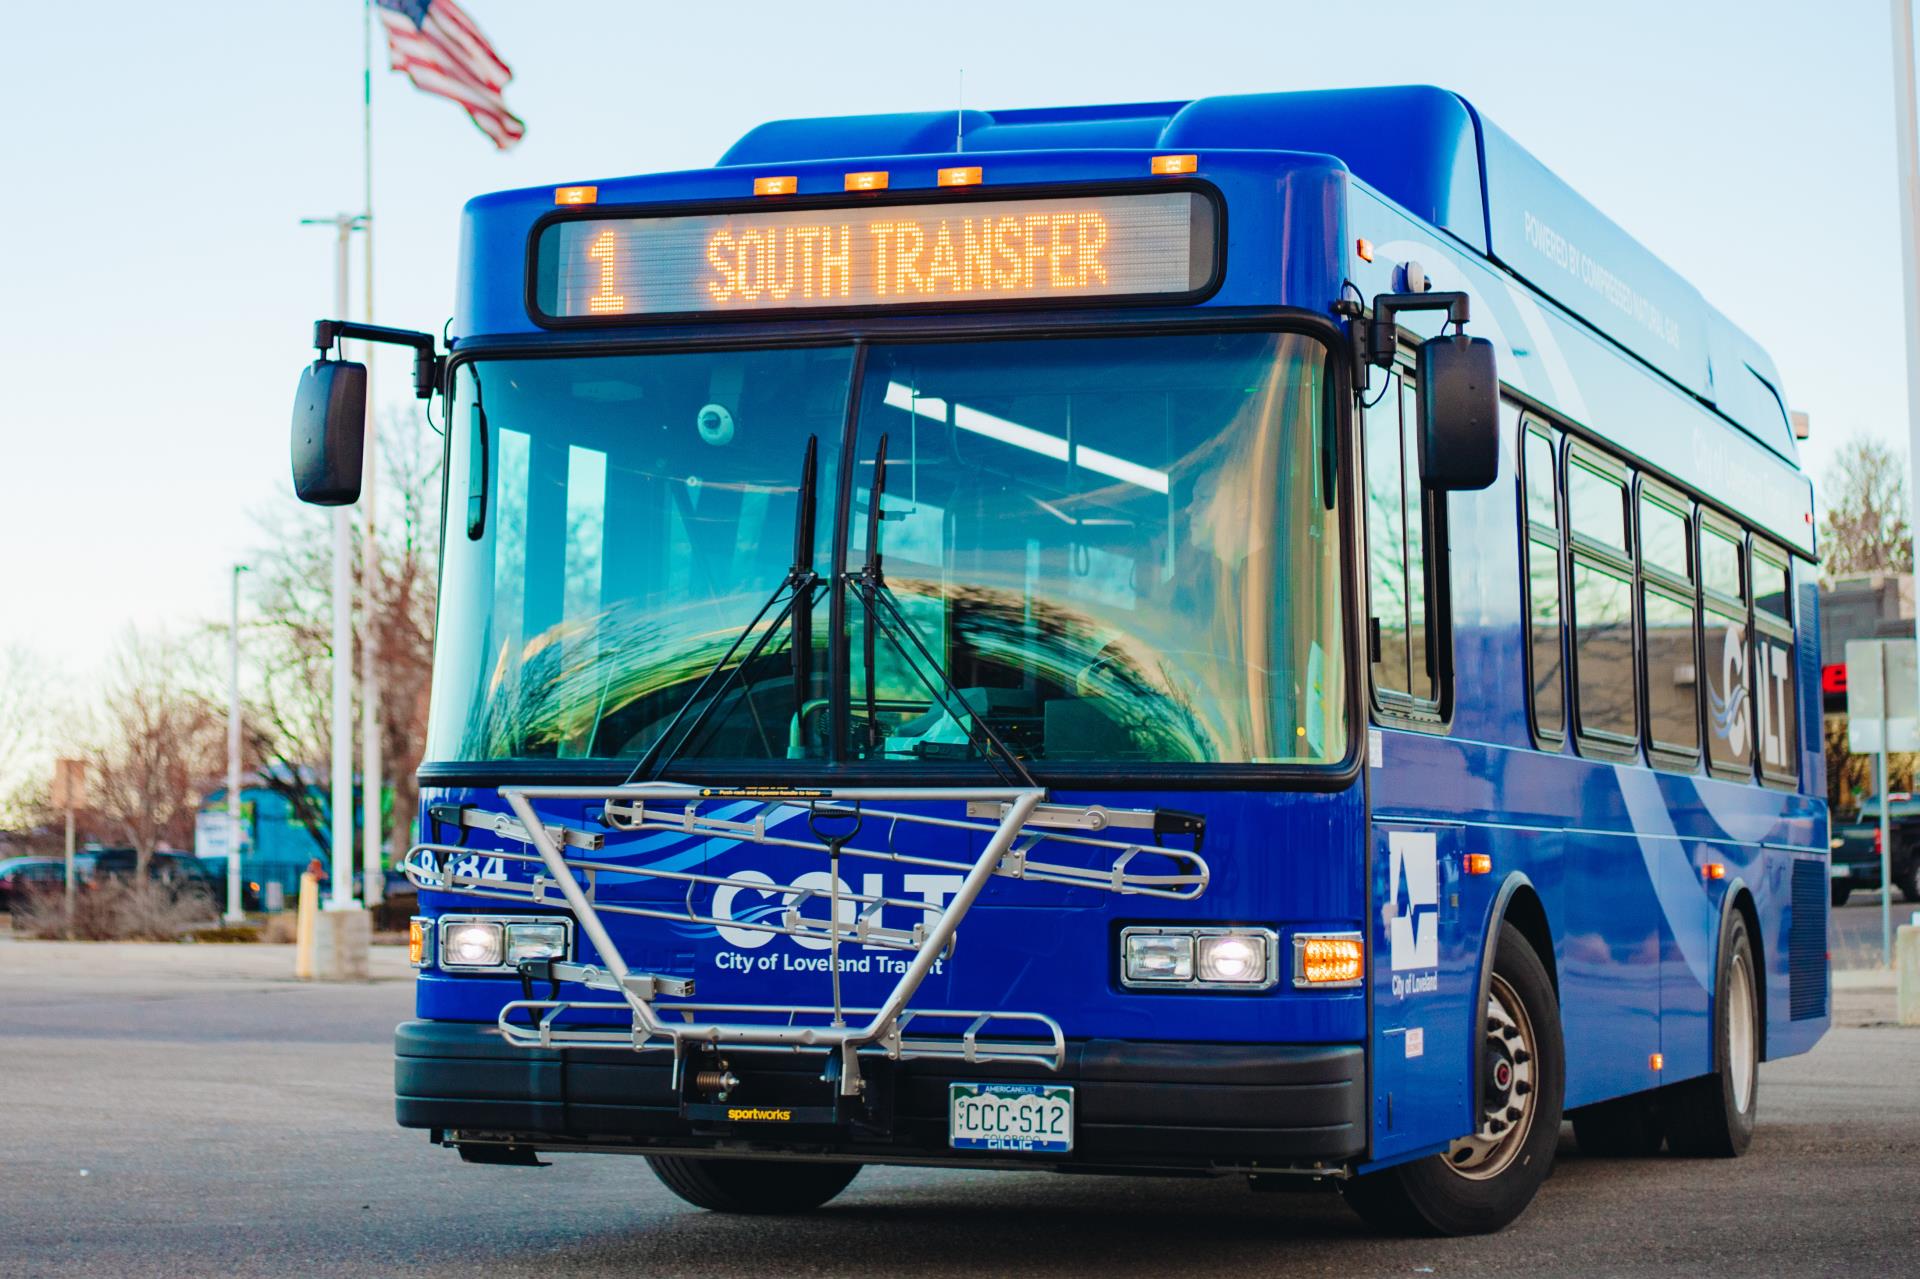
{"x": 1459, "y": 413}
{"x": 330, "y": 432}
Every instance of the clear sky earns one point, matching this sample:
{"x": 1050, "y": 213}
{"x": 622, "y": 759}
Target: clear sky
{"x": 156, "y": 288}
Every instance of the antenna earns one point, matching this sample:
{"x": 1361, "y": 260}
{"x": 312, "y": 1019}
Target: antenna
{"x": 960, "y": 114}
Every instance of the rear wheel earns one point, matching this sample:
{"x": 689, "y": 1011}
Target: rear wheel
{"x": 1625, "y": 1126}
{"x": 1486, "y": 1180}
{"x": 1841, "y": 892}
{"x": 752, "y": 1185}
{"x": 1907, "y": 879}
{"x": 1713, "y": 1115}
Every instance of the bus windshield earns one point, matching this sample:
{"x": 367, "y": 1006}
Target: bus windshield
{"x": 1114, "y": 550}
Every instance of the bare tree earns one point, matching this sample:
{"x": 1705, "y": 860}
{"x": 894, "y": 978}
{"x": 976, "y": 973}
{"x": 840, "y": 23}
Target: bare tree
{"x": 159, "y": 740}
{"x": 24, "y": 732}
{"x": 290, "y": 647}
{"x": 1865, "y": 528}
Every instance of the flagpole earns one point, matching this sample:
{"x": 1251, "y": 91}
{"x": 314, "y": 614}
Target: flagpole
{"x": 372, "y": 768}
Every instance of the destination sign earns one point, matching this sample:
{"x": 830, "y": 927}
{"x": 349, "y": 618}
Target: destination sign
{"x": 1152, "y": 244}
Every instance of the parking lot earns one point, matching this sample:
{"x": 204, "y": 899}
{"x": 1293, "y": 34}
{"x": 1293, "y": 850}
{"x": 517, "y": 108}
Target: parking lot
{"x": 192, "y": 1111}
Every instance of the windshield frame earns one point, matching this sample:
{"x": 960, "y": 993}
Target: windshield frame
{"x": 860, "y": 332}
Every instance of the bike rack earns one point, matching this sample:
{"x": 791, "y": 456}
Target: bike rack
{"x": 1015, "y": 820}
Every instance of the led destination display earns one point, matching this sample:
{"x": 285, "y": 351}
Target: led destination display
{"x": 1156, "y": 243}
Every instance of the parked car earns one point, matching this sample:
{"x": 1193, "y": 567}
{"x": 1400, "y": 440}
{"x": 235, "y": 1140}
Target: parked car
{"x": 22, "y": 877}
{"x": 184, "y": 874}
{"x": 250, "y": 891}
{"x": 1856, "y": 848}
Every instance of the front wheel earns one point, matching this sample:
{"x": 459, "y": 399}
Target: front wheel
{"x": 766, "y": 1186}
{"x": 1487, "y": 1179}
{"x": 1713, "y": 1115}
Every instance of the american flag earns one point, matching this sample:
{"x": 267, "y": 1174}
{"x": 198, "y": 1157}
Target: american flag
{"x": 442, "y": 51}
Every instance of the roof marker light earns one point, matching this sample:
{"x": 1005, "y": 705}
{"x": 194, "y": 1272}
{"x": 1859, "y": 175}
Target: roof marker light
{"x": 576, "y": 195}
{"x": 871, "y": 180}
{"x": 1363, "y": 248}
{"x": 786, "y": 184}
{"x": 1175, "y": 163}
{"x": 1479, "y": 863}
{"x": 961, "y": 177}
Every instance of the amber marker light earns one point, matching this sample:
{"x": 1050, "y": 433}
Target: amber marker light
{"x": 871, "y": 180}
{"x": 960, "y": 177}
{"x": 785, "y": 184}
{"x": 416, "y": 942}
{"x": 1714, "y": 870}
{"x": 1328, "y": 959}
{"x": 1175, "y": 163}
{"x": 576, "y": 195}
{"x": 1363, "y": 249}
{"x": 1658, "y": 1061}
{"x": 1479, "y": 863}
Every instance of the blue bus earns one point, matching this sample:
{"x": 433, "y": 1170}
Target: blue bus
{"x": 1259, "y": 636}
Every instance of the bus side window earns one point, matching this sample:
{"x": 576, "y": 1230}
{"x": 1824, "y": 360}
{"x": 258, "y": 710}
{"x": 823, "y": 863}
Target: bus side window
{"x": 1386, "y": 543}
{"x": 1724, "y": 649}
{"x": 1668, "y": 612}
{"x": 1606, "y": 701}
{"x": 1773, "y": 665}
{"x": 1544, "y": 648}
{"x": 1402, "y": 630}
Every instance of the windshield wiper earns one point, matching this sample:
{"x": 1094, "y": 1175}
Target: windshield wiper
{"x": 792, "y": 599}
{"x": 884, "y": 615}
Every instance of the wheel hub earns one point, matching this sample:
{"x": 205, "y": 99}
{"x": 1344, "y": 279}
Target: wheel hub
{"x": 1507, "y": 1101}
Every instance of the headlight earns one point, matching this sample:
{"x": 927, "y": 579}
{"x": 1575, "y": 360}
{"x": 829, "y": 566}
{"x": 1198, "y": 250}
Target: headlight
{"x": 472, "y": 944}
{"x": 1159, "y": 957}
{"x": 1175, "y": 957}
{"x": 1233, "y": 958}
{"x": 536, "y": 941}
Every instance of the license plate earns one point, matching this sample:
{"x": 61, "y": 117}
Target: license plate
{"x": 1838, "y": 871}
{"x": 1031, "y": 1117}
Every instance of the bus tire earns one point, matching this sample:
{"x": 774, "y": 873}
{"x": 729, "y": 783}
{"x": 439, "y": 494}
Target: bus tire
{"x": 1712, "y": 1116}
{"x": 766, "y": 1186}
{"x": 1484, "y": 1181}
{"x": 1626, "y": 1127}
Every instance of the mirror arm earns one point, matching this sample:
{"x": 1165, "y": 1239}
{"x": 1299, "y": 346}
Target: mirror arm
{"x": 427, "y": 366}
{"x": 1382, "y": 332}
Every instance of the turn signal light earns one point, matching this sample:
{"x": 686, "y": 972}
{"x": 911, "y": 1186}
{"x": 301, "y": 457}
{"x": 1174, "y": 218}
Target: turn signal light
{"x": 872, "y": 180}
{"x": 1175, "y": 163}
{"x": 576, "y": 195}
{"x": 417, "y": 930}
{"x": 1479, "y": 864}
{"x": 1328, "y": 959}
{"x": 963, "y": 177}
{"x": 786, "y": 184}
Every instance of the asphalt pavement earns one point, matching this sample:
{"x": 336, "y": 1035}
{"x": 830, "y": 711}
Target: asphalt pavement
{"x": 1854, "y": 933}
{"x": 191, "y": 1111}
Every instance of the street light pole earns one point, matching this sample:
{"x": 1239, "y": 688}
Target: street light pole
{"x": 341, "y": 803}
{"x": 1907, "y": 136}
{"x": 235, "y": 914}
{"x": 372, "y": 765}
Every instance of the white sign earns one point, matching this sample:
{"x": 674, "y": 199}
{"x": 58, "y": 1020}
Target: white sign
{"x": 1869, "y": 662}
{"x": 1413, "y": 897}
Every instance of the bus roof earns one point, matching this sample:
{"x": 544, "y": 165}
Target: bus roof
{"x": 1426, "y": 149}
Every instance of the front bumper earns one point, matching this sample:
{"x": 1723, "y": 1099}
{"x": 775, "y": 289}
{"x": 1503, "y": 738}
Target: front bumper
{"x": 1140, "y": 1105}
